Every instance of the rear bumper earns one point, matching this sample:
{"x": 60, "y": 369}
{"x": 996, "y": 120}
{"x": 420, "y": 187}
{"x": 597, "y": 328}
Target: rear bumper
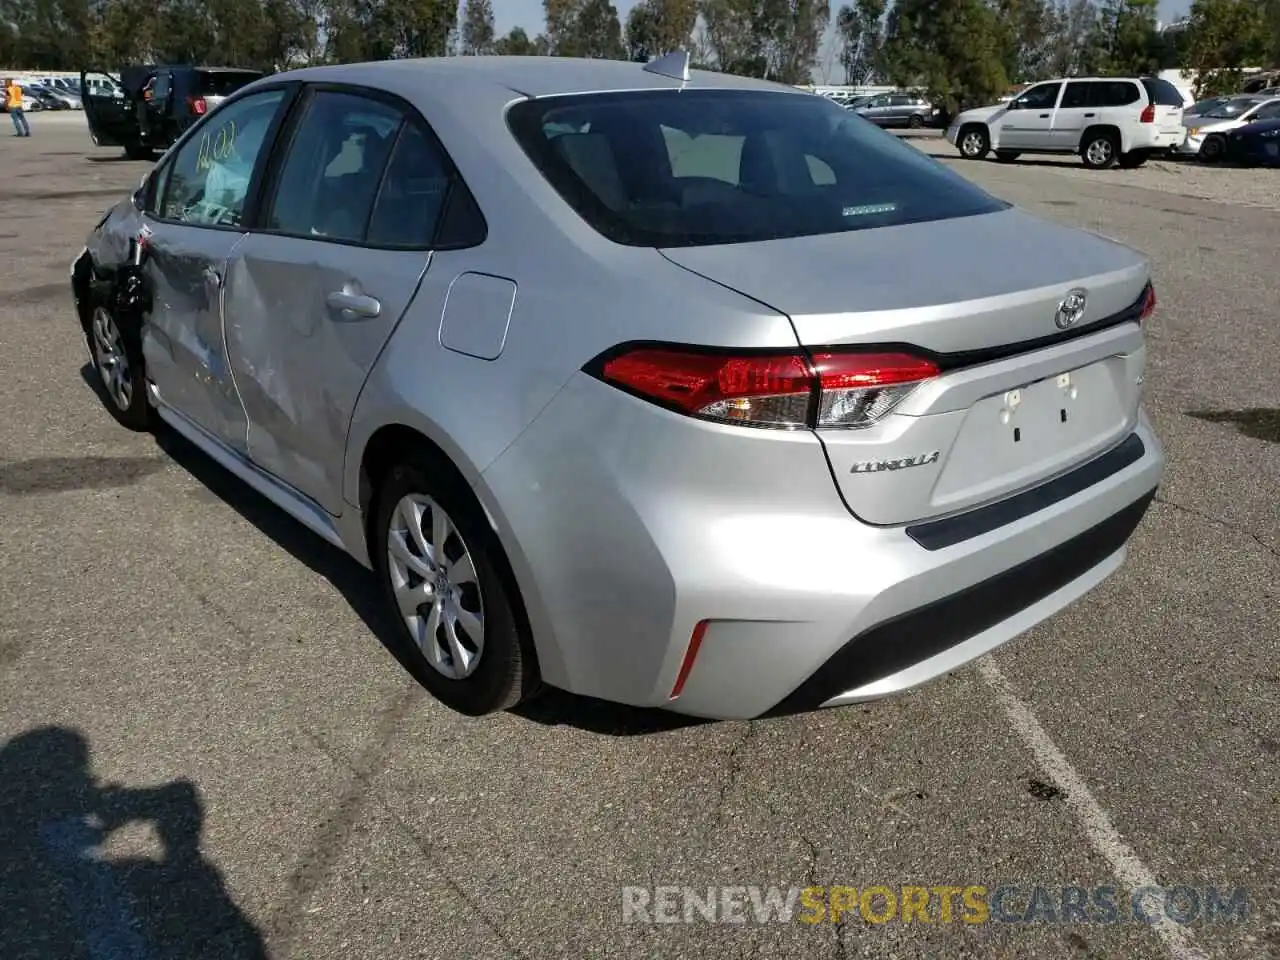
{"x": 622, "y": 553}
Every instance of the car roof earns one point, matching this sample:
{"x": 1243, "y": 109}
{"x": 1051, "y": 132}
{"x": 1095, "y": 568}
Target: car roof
{"x": 527, "y": 76}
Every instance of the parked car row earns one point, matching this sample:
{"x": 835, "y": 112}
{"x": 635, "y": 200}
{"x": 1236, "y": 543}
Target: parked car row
{"x": 1222, "y": 128}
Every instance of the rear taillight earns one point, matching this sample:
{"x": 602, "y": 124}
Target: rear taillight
{"x": 198, "y": 106}
{"x": 828, "y": 388}
{"x": 1148, "y": 114}
{"x": 1148, "y": 303}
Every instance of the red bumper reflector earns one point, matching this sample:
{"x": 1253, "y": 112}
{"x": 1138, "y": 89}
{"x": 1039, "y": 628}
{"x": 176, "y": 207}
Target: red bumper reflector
{"x": 691, "y": 654}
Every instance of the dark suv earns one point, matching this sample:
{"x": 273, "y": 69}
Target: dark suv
{"x": 158, "y": 104}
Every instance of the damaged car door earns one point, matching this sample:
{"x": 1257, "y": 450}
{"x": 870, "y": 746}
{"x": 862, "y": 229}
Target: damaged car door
{"x": 203, "y": 195}
{"x": 335, "y": 257}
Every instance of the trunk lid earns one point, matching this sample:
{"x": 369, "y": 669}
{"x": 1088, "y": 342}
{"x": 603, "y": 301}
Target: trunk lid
{"x": 1018, "y": 399}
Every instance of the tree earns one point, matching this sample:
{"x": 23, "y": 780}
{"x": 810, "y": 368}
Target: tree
{"x": 516, "y": 44}
{"x": 583, "y": 28}
{"x": 860, "y": 34}
{"x": 1070, "y": 48}
{"x": 1223, "y": 37}
{"x": 1126, "y": 33}
{"x": 951, "y": 48}
{"x": 1026, "y": 38}
{"x": 658, "y": 27}
{"x": 476, "y": 32}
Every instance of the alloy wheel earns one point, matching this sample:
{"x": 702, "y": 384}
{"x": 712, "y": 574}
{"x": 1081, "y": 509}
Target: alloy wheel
{"x": 436, "y": 586}
{"x": 971, "y": 145}
{"x": 111, "y": 359}
{"x": 1099, "y": 151}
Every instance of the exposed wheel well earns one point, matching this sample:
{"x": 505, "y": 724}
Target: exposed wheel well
{"x": 1092, "y": 132}
{"x": 385, "y": 449}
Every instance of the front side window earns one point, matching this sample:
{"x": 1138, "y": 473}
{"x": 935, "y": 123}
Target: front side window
{"x": 681, "y": 168}
{"x": 1040, "y": 97}
{"x": 207, "y": 180}
{"x": 329, "y": 179}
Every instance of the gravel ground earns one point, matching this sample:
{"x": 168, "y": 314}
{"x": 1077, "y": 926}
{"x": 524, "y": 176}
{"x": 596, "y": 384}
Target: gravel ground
{"x": 1256, "y": 187}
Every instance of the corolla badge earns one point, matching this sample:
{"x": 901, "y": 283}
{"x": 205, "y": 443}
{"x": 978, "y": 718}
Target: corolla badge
{"x": 1071, "y": 309}
{"x": 898, "y": 463}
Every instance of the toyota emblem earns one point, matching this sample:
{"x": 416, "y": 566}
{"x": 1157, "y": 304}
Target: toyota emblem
{"x": 1070, "y": 310}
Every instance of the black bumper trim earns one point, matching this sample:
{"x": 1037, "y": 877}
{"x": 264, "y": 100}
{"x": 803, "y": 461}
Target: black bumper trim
{"x": 947, "y": 532}
{"x": 903, "y": 641}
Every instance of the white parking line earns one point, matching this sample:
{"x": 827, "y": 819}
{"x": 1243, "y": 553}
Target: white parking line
{"x": 1103, "y": 837}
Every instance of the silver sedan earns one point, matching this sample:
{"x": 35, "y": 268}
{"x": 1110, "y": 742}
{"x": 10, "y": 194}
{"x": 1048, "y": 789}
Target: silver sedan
{"x": 612, "y": 376}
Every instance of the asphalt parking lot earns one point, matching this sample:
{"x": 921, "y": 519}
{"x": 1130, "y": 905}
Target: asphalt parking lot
{"x": 182, "y": 662}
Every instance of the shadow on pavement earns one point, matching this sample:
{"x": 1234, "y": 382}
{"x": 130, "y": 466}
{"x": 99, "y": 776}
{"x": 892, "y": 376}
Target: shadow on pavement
{"x": 1259, "y": 423}
{"x": 60, "y": 897}
{"x": 360, "y": 590}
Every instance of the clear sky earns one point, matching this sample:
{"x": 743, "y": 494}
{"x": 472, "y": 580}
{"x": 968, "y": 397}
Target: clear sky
{"x": 528, "y": 13}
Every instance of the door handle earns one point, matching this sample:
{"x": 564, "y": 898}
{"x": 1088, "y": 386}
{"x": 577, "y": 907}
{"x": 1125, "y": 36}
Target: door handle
{"x": 354, "y": 304}
{"x": 1088, "y": 116}
{"x": 1044, "y": 116}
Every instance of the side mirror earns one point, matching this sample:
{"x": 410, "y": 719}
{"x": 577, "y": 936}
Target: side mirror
{"x": 1013, "y": 105}
{"x": 140, "y": 194}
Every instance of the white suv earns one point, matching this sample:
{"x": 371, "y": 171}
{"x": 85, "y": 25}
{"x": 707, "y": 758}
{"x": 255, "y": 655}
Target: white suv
{"x": 1104, "y": 120}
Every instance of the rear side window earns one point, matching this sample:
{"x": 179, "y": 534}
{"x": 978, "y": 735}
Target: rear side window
{"x": 1162, "y": 92}
{"x": 1115, "y": 93}
{"x": 686, "y": 168}
{"x": 1270, "y": 111}
{"x": 331, "y": 173}
{"x": 222, "y": 83}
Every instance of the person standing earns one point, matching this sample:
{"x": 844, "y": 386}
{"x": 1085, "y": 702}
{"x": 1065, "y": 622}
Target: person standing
{"x": 13, "y": 103}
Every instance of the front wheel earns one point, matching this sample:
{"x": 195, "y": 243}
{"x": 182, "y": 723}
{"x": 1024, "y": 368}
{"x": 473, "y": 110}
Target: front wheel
{"x": 1212, "y": 150}
{"x": 915, "y": 122}
{"x": 973, "y": 143}
{"x": 118, "y": 362}
{"x": 450, "y": 592}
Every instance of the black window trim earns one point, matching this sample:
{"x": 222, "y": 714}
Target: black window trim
{"x": 253, "y": 196}
{"x": 409, "y": 114}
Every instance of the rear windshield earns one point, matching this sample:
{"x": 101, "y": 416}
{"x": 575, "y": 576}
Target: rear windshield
{"x": 223, "y": 83}
{"x": 1162, "y": 92}
{"x": 688, "y": 167}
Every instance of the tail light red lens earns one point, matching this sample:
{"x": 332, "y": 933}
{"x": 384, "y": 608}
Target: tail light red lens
{"x": 780, "y": 390}
{"x": 1148, "y": 303}
{"x": 1148, "y": 114}
{"x": 198, "y": 106}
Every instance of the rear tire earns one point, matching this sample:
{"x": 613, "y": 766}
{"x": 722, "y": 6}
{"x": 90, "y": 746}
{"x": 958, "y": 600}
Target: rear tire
{"x": 1099, "y": 149}
{"x": 1007, "y": 156}
{"x": 915, "y": 121}
{"x": 973, "y": 142}
{"x": 466, "y": 640}
{"x": 1133, "y": 159}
